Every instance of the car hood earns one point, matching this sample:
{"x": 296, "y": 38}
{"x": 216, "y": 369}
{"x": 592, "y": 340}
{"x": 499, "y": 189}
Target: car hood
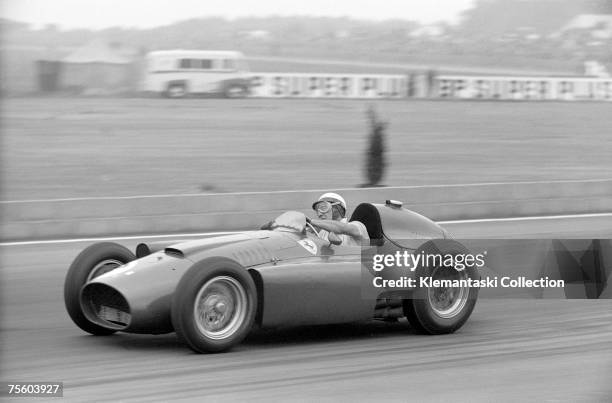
{"x": 247, "y": 248}
{"x": 196, "y": 246}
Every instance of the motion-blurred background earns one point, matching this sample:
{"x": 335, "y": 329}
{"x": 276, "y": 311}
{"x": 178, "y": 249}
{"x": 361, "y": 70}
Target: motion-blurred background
{"x": 464, "y": 92}
{"x": 520, "y": 36}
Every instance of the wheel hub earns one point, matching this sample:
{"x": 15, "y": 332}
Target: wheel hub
{"x": 447, "y": 302}
{"x": 216, "y": 311}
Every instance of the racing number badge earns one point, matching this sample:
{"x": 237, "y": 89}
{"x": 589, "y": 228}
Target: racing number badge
{"x": 309, "y": 245}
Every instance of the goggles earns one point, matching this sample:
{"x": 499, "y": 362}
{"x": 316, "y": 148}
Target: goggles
{"x": 324, "y": 206}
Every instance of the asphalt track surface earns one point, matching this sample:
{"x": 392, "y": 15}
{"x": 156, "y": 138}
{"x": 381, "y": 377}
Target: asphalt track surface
{"x": 510, "y": 350}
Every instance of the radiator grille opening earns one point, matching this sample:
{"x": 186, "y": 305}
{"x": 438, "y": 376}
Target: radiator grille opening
{"x": 105, "y": 306}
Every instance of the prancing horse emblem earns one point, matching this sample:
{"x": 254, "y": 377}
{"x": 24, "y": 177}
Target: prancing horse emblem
{"x": 309, "y": 245}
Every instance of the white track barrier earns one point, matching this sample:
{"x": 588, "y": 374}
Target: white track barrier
{"x": 421, "y": 85}
{"x": 87, "y": 217}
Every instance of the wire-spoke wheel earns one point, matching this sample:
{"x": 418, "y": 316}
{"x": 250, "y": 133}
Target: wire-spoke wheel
{"x": 448, "y": 303}
{"x": 214, "y": 305}
{"x": 220, "y": 307}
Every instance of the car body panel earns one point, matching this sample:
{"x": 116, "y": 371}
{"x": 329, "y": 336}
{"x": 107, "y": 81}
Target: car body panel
{"x": 148, "y": 285}
{"x": 403, "y": 227}
{"x": 322, "y": 288}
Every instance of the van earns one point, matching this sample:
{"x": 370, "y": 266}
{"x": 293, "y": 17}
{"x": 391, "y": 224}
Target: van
{"x": 179, "y": 73}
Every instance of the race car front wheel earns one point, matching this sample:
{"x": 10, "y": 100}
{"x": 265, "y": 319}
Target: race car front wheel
{"x": 214, "y": 305}
{"x": 92, "y": 262}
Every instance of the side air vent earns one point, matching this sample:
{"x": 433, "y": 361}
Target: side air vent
{"x": 174, "y": 252}
{"x": 394, "y": 203}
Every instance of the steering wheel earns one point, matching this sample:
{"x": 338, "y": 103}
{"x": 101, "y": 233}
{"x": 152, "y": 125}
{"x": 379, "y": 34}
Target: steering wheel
{"x": 312, "y": 228}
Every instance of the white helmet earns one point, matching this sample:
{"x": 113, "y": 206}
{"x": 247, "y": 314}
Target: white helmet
{"x": 331, "y": 197}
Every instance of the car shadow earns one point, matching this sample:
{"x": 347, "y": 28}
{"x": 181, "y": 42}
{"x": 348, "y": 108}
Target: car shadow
{"x": 143, "y": 342}
{"x": 259, "y": 338}
{"x": 327, "y": 333}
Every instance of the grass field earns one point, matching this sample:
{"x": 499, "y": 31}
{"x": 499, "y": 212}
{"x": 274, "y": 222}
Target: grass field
{"x": 69, "y": 147}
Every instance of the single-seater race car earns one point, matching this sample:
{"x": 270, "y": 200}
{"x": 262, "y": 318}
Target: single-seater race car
{"x": 213, "y": 291}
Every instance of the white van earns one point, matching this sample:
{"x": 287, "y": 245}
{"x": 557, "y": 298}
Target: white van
{"x": 177, "y": 73}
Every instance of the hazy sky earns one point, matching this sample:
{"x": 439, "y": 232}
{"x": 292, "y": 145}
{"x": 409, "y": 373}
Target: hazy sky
{"x": 148, "y": 13}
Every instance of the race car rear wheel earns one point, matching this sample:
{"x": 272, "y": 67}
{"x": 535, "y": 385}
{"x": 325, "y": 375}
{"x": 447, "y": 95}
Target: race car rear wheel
{"x": 214, "y": 305}
{"x": 92, "y": 262}
{"x": 442, "y": 309}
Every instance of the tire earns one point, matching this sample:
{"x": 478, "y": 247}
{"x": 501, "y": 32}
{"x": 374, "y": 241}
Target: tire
{"x": 432, "y": 310}
{"x": 95, "y": 260}
{"x": 236, "y": 91}
{"x": 176, "y": 91}
{"x": 214, "y": 305}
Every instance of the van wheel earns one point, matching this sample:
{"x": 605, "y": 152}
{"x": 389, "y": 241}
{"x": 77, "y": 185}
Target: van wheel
{"x": 176, "y": 91}
{"x": 235, "y": 91}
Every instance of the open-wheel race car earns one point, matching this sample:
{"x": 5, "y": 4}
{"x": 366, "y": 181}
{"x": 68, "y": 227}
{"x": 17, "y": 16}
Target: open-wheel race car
{"x": 213, "y": 291}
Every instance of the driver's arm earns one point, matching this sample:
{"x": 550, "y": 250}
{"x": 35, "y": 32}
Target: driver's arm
{"x": 337, "y": 227}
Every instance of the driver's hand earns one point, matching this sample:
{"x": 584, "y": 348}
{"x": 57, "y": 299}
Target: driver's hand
{"x": 334, "y": 239}
{"x": 308, "y": 221}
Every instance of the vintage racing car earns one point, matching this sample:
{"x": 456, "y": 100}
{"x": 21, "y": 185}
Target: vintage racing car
{"x": 213, "y": 291}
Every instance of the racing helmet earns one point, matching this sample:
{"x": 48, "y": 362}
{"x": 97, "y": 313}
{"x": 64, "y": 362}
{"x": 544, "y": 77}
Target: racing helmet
{"x": 333, "y": 198}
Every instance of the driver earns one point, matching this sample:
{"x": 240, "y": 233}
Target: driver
{"x": 332, "y": 222}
